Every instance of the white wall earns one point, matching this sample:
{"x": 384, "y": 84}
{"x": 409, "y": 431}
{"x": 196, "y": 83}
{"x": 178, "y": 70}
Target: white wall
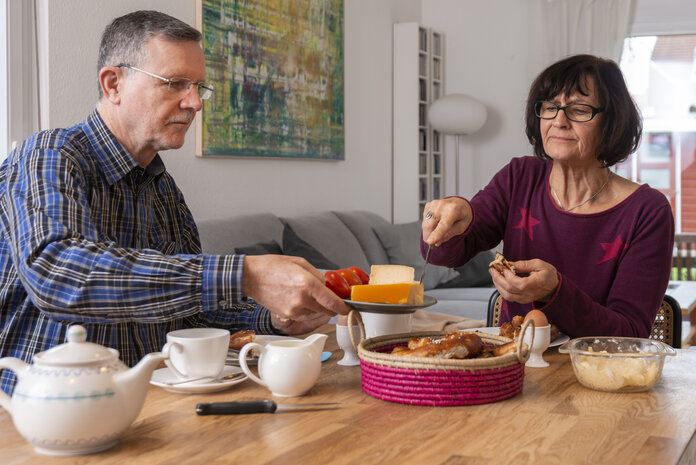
{"x": 221, "y": 187}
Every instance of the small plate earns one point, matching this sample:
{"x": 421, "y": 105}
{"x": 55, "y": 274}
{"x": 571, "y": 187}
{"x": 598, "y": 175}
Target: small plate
{"x": 560, "y": 339}
{"x": 371, "y": 307}
{"x": 164, "y": 375}
{"x": 494, "y": 330}
{"x": 233, "y": 355}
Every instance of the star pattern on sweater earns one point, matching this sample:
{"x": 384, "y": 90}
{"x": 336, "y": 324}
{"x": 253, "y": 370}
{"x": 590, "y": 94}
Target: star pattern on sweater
{"x": 527, "y": 222}
{"x": 612, "y": 249}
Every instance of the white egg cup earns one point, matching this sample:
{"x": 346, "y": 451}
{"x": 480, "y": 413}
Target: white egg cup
{"x": 350, "y": 353}
{"x": 542, "y": 339}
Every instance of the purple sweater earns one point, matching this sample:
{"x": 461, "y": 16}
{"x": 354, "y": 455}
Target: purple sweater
{"x": 614, "y": 266}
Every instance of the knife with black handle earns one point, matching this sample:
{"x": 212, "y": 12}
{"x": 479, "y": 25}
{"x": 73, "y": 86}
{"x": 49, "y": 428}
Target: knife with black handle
{"x": 254, "y": 406}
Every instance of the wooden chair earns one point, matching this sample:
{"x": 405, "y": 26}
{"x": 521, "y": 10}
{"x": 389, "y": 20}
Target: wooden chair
{"x": 667, "y": 327}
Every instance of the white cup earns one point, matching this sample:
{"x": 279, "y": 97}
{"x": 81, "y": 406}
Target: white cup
{"x": 350, "y": 353}
{"x": 381, "y": 324}
{"x": 542, "y": 339}
{"x": 197, "y": 352}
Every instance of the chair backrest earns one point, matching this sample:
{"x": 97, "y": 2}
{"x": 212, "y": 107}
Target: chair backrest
{"x": 495, "y": 303}
{"x": 667, "y": 327}
{"x": 668, "y": 323}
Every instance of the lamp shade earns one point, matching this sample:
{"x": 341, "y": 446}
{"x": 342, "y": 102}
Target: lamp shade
{"x": 457, "y": 114}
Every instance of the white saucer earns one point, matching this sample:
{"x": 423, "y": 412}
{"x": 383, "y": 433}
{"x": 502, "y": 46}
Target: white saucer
{"x": 494, "y": 330}
{"x": 163, "y": 375}
{"x": 560, "y": 339}
{"x": 233, "y": 355}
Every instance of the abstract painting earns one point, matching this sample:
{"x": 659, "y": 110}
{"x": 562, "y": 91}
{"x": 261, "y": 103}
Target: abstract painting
{"x": 277, "y": 70}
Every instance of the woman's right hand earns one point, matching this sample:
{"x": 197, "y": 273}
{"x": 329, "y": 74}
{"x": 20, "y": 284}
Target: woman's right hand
{"x": 450, "y": 217}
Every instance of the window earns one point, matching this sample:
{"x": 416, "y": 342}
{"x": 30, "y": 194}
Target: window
{"x": 660, "y": 72}
{"x": 19, "y": 96}
{"x": 4, "y": 115}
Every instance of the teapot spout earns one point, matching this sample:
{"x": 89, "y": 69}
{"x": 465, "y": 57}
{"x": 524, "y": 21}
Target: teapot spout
{"x": 133, "y": 383}
{"x": 316, "y": 342}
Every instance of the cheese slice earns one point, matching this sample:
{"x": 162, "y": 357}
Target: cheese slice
{"x": 398, "y": 293}
{"x": 391, "y": 274}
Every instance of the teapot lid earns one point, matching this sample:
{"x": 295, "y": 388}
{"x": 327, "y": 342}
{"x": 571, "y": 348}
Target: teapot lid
{"x": 77, "y": 351}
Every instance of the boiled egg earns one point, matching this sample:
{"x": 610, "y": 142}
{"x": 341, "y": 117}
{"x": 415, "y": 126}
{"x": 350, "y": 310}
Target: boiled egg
{"x": 538, "y": 317}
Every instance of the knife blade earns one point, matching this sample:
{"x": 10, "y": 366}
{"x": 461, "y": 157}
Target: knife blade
{"x": 427, "y": 258}
{"x": 255, "y": 406}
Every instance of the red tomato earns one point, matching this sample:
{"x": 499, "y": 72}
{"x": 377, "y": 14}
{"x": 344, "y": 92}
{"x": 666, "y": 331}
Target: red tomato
{"x": 364, "y": 277}
{"x": 337, "y": 284}
{"x": 352, "y": 278}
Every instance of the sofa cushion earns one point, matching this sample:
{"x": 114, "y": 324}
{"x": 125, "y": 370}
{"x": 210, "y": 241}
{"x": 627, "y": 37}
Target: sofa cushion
{"x": 474, "y": 273}
{"x": 327, "y": 234}
{"x": 294, "y": 245}
{"x": 402, "y": 244}
{"x": 361, "y": 224}
{"x": 261, "y": 248}
{"x": 221, "y": 236}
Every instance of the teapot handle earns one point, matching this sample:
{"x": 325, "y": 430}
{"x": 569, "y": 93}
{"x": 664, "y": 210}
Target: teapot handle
{"x": 243, "y": 361}
{"x": 16, "y": 365}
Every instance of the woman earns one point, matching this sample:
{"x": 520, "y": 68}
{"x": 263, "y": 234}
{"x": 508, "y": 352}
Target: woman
{"x": 592, "y": 250}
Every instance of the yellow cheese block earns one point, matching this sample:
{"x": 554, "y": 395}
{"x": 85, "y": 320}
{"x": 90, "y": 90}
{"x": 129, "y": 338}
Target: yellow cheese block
{"x": 390, "y": 274}
{"x": 399, "y": 293}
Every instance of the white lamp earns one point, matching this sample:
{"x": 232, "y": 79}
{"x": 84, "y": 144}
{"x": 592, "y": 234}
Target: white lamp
{"x": 457, "y": 114}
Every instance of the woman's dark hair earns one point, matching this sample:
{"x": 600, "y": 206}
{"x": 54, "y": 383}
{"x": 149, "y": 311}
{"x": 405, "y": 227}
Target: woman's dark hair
{"x": 621, "y": 122}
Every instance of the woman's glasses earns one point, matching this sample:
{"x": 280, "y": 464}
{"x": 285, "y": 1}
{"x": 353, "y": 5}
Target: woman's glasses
{"x": 578, "y": 112}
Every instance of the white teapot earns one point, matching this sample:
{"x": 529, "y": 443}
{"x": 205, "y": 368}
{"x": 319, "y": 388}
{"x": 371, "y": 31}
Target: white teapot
{"x": 78, "y": 397}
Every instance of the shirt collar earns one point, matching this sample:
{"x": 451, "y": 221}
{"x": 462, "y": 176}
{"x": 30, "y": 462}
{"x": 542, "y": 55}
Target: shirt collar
{"x": 113, "y": 158}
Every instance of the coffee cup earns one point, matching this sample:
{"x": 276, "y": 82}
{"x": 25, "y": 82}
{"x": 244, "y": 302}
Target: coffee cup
{"x": 196, "y": 353}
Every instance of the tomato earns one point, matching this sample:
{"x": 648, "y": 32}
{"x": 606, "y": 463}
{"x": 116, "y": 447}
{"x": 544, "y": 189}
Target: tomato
{"x": 364, "y": 277}
{"x": 337, "y": 284}
{"x": 352, "y": 278}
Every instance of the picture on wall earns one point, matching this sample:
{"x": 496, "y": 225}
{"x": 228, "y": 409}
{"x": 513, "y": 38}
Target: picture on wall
{"x": 277, "y": 70}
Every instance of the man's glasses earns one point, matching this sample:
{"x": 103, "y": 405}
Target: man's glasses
{"x": 578, "y": 112}
{"x": 177, "y": 85}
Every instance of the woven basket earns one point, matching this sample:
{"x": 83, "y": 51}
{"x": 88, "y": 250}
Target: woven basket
{"x": 439, "y": 382}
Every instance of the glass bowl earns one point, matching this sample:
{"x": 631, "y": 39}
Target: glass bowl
{"x": 617, "y": 364}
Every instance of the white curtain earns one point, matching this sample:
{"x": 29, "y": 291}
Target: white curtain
{"x": 597, "y": 27}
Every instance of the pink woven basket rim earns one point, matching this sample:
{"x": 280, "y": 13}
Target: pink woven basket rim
{"x": 441, "y": 400}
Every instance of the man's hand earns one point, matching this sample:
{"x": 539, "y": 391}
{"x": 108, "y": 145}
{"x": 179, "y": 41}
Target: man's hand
{"x": 444, "y": 219}
{"x": 539, "y": 280}
{"x": 292, "y": 289}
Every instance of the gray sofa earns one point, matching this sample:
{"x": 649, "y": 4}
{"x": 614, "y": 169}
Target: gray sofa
{"x": 333, "y": 239}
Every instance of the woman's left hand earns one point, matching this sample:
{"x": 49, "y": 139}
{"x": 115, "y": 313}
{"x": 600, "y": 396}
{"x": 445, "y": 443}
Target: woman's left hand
{"x": 539, "y": 282}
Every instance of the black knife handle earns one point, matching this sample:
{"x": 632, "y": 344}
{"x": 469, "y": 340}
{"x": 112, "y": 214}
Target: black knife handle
{"x": 236, "y": 408}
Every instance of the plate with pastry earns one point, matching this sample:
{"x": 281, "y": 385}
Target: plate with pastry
{"x": 391, "y": 289}
{"x": 557, "y": 340}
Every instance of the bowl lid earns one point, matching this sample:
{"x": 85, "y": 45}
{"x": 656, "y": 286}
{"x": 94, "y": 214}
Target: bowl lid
{"x": 77, "y": 351}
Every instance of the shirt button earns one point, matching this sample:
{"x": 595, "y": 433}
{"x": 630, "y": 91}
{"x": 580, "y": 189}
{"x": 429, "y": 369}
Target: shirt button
{"x": 223, "y": 304}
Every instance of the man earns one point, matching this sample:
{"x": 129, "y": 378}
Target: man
{"x": 94, "y": 231}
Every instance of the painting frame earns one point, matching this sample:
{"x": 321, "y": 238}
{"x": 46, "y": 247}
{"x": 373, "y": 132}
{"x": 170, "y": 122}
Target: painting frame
{"x": 277, "y": 67}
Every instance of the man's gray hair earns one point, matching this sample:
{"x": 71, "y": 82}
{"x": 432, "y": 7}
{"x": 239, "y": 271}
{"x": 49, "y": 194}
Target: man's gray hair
{"x": 125, "y": 38}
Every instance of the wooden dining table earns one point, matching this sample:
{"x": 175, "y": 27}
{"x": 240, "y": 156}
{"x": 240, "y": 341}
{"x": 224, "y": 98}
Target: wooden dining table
{"x": 554, "y": 420}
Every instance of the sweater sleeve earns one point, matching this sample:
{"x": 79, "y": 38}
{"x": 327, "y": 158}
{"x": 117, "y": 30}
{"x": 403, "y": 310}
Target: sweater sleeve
{"x": 490, "y": 210}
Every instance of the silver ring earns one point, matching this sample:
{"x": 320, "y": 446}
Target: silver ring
{"x": 428, "y": 215}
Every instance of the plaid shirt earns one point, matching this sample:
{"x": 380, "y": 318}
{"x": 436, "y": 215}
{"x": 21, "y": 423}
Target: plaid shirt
{"x": 87, "y": 236}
